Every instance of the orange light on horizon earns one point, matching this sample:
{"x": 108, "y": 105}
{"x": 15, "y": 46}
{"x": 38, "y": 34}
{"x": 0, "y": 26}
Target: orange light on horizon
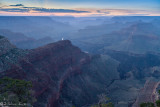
{"x": 92, "y": 12}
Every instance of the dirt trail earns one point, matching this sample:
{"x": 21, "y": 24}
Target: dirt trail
{"x": 147, "y": 94}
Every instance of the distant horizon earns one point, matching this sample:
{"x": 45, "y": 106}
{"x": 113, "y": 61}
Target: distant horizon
{"x": 70, "y": 16}
{"x": 80, "y": 8}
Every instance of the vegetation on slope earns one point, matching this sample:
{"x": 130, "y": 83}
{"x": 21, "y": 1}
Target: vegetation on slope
{"x": 151, "y": 104}
{"x": 103, "y": 101}
{"x": 16, "y": 92}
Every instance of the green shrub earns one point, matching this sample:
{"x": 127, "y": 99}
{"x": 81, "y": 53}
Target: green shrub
{"x": 158, "y": 103}
{"x": 104, "y": 105}
{"x": 148, "y": 104}
{"x": 159, "y": 92}
{"x": 16, "y": 91}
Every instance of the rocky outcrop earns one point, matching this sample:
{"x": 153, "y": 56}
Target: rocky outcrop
{"x": 62, "y": 75}
{"x": 9, "y": 54}
{"x": 59, "y": 61}
{"x": 147, "y": 94}
{"x": 5, "y": 46}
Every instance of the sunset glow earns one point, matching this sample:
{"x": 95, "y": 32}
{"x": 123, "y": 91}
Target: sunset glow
{"x": 80, "y": 8}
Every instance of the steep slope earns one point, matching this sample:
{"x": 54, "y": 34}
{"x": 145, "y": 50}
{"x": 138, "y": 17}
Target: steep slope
{"x": 136, "y": 63}
{"x": 148, "y": 93}
{"x": 9, "y": 54}
{"x": 71, "y": 72}
{"x": 5, "y": 45}
{"x": 61, "y": 73}
{"x": 135, "y": 70}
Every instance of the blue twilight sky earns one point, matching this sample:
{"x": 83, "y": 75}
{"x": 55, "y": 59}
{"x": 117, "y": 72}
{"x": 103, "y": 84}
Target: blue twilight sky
{"x": 80, "y": 7}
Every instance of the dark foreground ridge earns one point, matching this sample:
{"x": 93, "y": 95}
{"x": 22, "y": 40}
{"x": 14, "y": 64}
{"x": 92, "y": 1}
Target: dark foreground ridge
{"x": 64, "y": 76}
{"x": 60, "y": 73}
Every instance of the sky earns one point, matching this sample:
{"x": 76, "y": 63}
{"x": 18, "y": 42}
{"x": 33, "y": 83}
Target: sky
{"x": 79, "y": 8}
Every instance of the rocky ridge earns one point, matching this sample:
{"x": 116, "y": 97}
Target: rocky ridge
{"x": 59, "y": 71}
{"x": 63, "y": 75}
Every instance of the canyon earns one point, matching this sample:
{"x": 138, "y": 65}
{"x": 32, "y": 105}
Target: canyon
{"x": 63, "y": 75}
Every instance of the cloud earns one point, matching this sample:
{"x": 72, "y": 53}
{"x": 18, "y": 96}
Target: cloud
{"x": 58, "y": 10}
{"x": 22, "y": 8}
{"x": 41, "y": 10}
{"x": 105, "y": 12}
{"x": 14, "y": 10}
{"x": 17, "y": 5}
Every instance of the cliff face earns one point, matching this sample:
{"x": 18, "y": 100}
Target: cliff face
{"x": 147, "y": 93}
{"x": 59, "y": 61}
{"x": 61, "y": 73}
{"x": 5, "y": 46}
{"x": 72, "y": 76}
{"x": 9, "y": 54}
